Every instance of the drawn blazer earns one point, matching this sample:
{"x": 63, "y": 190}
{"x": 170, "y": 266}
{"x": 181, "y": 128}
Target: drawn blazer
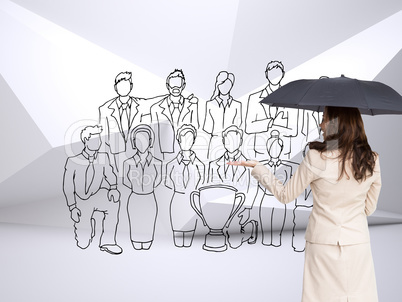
{"x": 109, "y": 118}
{"x": 258, "y": 115}
{"x": 164, "y": 126}
{"x": 341, "y": 207}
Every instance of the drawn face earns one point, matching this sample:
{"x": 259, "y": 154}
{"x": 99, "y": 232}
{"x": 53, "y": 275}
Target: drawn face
{"x": 275, "y": 149}
{"x": 142, "y": 141}
{"x": 232, "y": 141}
{"x": 186, "y": 141}
{"x": 225, "y": 87}
{"x": 275, "y": 75}
{"x": 94, "y": 142}
{"x": 175, "y": 86}
{"x": 123, "y": 88}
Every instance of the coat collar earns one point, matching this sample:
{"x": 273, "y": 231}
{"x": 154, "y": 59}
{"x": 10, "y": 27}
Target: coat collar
{"x": 115, "y": 106}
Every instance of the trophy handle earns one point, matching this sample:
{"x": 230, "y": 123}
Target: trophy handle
{"x": 194, "y": 205}
{"x": 239, "y": 196}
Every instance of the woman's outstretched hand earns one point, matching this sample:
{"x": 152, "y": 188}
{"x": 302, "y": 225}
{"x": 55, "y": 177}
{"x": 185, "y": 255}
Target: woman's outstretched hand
{"x": 248, "y": 163}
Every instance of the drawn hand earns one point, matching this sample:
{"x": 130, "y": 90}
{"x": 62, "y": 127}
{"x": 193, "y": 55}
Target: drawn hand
{"x": 248, "y": 163}
{"x": 114, "y": 195}
{"x": 245, "y": 216}
{"x": 193, "y": 99}
{"x": 75, "y": 215}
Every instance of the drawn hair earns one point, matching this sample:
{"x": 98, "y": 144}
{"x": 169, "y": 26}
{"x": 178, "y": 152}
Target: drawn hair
{"x": 176, "y": 73}
{"x": 88, "y": 131}
{"x": 345, "y": 132}
{"x": 143, "y": 128}
{"x": 232, "y": 128}
{"x": 220, "y": 78}
{"x": 274, "y": 139}
{"x": 123, "y": 76}
{"x": 184, "y": 129}
{"x": 275, "y": 64}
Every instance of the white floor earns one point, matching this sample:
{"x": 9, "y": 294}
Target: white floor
{"x": 43, "y": 264}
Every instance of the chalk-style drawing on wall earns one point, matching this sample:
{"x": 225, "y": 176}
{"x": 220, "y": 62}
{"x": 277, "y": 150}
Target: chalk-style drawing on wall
{"x": 142, "y": 173}
{"x": 221, "y": 112}
{"x": 272, "y": 212}
{"x": 119, "y": 116}
{"x": 140, "y": 136}
{"x": 219, "y": 172}
{"x": 171, "y": 112}
{"x": 184, "y": 174}
{"x": 90, "y": 185}
{"x": 306, "y": 203}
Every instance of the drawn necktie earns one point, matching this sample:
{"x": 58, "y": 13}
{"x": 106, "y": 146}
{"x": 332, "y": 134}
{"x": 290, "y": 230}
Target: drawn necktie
{"x": 89, "y": 174}
{"x": 124, "y": 120}
{"x": 232, "y": 170}
{"x": 186, "y": 174}
{"x": 175, "y": 113}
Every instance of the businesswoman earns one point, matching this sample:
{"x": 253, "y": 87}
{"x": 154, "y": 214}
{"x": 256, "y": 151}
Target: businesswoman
{"x": 344, "y": 175}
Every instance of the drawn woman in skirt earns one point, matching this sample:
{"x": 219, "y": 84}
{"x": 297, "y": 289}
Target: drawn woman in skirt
{"x": 142, "y": 174}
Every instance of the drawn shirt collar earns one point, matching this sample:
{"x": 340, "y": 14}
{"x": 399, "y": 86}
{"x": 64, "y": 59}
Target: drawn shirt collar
{"x": 232, "y": 158}
{"x": 220, "y": 101}
{"x": 120, "y": 104}
{"x": 87, "y": 156}
{"x": 137, "y": 159}
{"x": 180, "y": 157}
{"x": 275, "y": 162}
{"x": 170, "y": 102}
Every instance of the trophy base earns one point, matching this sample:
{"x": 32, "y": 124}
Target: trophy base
{"x": 215, "y": 241}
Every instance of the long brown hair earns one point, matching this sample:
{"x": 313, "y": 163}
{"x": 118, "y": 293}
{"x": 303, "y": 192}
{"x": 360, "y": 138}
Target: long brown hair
{"x": 345, "y": 132}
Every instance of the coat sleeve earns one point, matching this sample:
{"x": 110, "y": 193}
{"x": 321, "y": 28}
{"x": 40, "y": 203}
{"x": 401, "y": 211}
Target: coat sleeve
{"x": 126, "y": 177}
{"x": 69, "y": 185}
{"x": 257, "y": 120}
{"x": 374, "y": 191}
{"x": 169, "y": 180}
{"x": 209, "y": 121}
{"x": 108, "y": 173}
{"x": 303, "y": 176}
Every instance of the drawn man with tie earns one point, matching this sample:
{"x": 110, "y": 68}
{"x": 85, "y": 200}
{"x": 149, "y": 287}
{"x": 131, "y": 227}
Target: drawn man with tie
{"x": 240, "y": 178}
{"x": 173, "y": 111}
{"x": 90, "y": 185}
{"x": 120, "y": 115}
{"x": 184, "y": 174}
{"x": 259, "y": 116}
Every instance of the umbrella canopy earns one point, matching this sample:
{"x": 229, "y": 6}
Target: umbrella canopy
{"x": 369, "y": 96}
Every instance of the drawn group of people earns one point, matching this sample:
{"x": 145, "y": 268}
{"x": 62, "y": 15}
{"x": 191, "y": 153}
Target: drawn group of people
{"x": 140, "y": 144}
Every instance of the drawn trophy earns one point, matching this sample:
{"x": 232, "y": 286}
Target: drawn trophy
{"x": 216, "y": 205}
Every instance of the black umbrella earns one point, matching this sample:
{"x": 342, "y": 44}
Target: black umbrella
{"x": 369, "y": 96}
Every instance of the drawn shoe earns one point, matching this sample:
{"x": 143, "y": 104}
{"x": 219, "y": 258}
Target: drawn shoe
{"x": 113, "y": 249}
{"x": 254, "y": 232}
